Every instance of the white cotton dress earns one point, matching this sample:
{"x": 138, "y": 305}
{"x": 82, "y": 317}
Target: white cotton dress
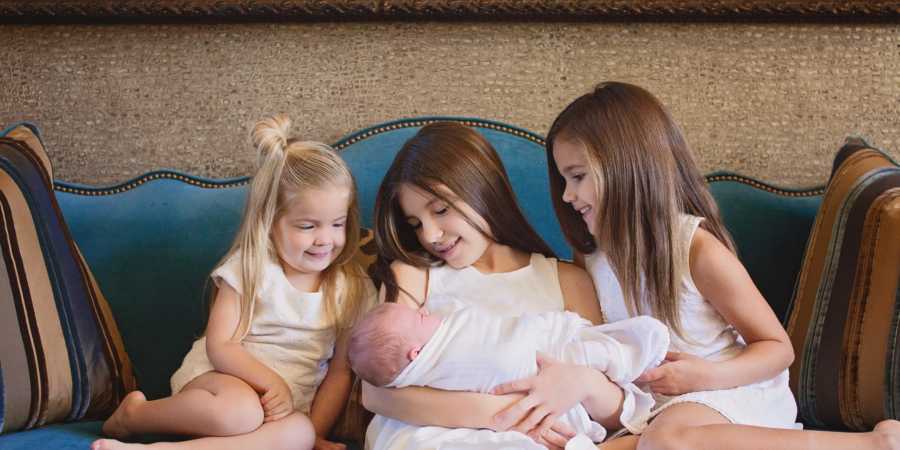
{"x": 768, "y": 403}
{"x": 531, "y": 289}
{"x": 288, "y": 333}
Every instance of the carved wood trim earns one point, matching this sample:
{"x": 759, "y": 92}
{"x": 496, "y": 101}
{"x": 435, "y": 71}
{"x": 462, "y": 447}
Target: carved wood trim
{"x": 43, "y": 11}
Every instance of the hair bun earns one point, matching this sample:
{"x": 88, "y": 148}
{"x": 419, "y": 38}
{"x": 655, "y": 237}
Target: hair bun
{"x": 270, "y": 136}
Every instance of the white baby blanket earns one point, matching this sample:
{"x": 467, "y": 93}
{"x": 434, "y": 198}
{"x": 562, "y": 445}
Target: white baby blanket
{"x": 473, "y": 350}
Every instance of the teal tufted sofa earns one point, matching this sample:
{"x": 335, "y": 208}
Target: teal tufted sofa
{"x": 152, "y": 241}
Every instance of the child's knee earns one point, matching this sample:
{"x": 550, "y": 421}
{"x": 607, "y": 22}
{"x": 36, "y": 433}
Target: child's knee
{"x": 296, "y": 433}
{"x": 241, "y": 414}
{"x": 664, "y": 438}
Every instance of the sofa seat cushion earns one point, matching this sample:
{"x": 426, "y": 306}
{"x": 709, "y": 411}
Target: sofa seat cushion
{"x": 75, "y": 436}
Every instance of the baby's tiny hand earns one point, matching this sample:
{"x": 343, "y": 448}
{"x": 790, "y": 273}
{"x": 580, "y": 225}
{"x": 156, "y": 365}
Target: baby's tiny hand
{"x": 680, "y": 373}
{"x": 277, "y": 401}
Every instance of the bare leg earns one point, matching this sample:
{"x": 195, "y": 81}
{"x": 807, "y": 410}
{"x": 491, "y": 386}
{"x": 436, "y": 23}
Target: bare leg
{"x": 697, "y": 427}
{"x": 629, "y": 442}
{"x": 213, "y": 404}
{"x": 294, "y": 432}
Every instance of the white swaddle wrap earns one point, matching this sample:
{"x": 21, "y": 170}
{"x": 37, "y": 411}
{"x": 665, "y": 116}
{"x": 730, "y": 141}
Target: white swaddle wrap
{"x": 474, "y": 350}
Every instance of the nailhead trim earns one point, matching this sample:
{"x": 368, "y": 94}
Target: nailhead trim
{"x": 396, "y": 126}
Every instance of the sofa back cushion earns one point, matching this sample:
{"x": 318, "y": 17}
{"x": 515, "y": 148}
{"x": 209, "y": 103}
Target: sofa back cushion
{"x": 843, "y": 323}
{"x": 152, "y": 243}
{"x": 769, "y": 225}
{"x": 61, "y": 356}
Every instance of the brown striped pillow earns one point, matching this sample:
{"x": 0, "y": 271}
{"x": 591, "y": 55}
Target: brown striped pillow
{"x": 844, "y": 320}
{"x": 61, "y": 355}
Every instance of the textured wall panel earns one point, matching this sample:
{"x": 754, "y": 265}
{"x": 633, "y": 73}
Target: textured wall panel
{"x": 773, "y": 101}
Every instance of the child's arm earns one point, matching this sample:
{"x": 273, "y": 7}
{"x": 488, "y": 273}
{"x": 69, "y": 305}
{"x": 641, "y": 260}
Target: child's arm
{"x": 426, "y": 406}
{"x": 722, "y": 280}
{"x": 228, "y": 356}
{"x": 578, "y": 292}
{"x": 331, "y": 397}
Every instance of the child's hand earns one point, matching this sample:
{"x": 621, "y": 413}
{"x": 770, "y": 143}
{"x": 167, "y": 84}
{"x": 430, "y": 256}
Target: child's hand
{"x": 549, "y": 396}
{"x": 555, "y": 438}
{"x": 322, "y": 444}
{"x": 680, "y": 373}
{"x": 277, "y": 401}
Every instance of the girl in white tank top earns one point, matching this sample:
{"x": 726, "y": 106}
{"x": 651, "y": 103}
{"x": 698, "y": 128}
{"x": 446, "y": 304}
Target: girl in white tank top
{"x": 631, "y": 202}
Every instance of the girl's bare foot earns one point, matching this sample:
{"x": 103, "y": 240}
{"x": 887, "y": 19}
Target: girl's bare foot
{"x": 112, "y": 444}
{"x": 116, "y": 426}
{"x": 888, "y": 433}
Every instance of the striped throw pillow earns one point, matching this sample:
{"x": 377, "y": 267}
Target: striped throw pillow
{"x": 844, "y": 320}
{"x": 61, "y": 355}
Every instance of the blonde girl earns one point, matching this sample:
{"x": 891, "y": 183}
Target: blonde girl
{"x": 638, "y": 213}
{"x": 447, "y": 222}
{"x": 271, "y": 370}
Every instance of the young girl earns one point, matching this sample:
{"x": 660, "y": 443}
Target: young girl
{"x": 447, "y": 226}
{"x": 286, "y": 294}
{"x": 637, "y": 211}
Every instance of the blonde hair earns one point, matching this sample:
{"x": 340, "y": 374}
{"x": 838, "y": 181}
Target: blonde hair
{"x": 285, "y": 168}
{"x": 646, "y": 178}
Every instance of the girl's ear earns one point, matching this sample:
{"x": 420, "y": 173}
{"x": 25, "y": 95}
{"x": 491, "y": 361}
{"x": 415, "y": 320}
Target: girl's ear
{"x": 413, "y": 353}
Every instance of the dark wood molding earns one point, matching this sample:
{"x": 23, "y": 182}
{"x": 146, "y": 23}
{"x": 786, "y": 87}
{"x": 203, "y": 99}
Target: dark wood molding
{"x": 88, "y": 11}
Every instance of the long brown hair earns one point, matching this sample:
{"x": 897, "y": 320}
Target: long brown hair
{"x": 646, "y": 177}
{"x": 287, "y": 167}
{"x": 452, "y": 155}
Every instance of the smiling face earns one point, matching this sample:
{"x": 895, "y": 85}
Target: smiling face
{"x": 310, "y": 233}
{"x": 443, "y": 229}
{"x": 581, "y": 191}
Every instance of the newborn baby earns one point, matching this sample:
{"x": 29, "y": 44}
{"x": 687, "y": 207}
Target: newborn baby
{"x": 473, "y": 350}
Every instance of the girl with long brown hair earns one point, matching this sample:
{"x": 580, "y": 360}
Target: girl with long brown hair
{"x": 447, "y": 222}
{"x": 636, "y": 209}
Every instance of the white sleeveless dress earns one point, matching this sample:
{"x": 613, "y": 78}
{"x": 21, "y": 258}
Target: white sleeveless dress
{"x": 530, "y": 289}
{"x": 288, "y": 333}
{"x": 768, "y": 403}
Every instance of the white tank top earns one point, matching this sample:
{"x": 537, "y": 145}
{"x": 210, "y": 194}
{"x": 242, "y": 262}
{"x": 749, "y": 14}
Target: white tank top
{"x": 706, "y": 332}
{"x": 289, "y": 332}
{"x": 530, "y": 289}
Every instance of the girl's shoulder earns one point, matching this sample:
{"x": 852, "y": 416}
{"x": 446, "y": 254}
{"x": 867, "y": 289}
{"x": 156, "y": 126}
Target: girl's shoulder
{"x": 407, "y": 272}
{"x": 578, "y": 292}
{"x": 705, "y": 246}
{"x": 688, "y": 225}
{"x": 412, "y": 281}
{"x": 708, "y": 260}
{"x": 229, "y": 271}
{"x": 540, "y": 262}
{"x": 570, "y": 272}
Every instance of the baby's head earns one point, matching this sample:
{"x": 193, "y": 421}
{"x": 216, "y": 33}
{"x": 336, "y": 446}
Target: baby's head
{"x": 387, "y": 339}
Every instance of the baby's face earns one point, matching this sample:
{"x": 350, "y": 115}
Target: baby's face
{"x": 417, "y": 325}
